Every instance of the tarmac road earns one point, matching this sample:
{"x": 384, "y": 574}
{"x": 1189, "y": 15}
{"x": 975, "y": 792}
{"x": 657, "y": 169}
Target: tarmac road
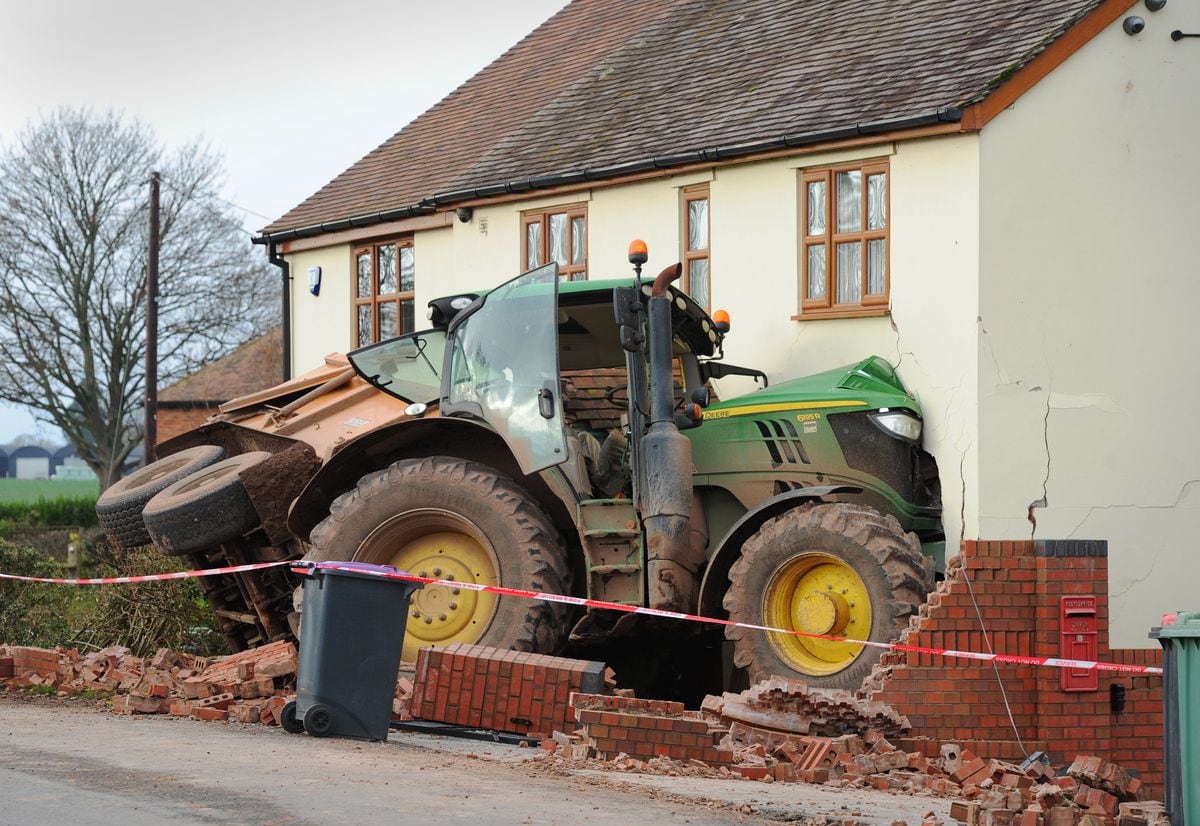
{"x": 73, "y": 764}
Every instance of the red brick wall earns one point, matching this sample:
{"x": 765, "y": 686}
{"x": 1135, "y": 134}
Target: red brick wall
{"x": 1017, "y": 586}
{"x": 482, "y": 687}
{"x": 175, "y": 420}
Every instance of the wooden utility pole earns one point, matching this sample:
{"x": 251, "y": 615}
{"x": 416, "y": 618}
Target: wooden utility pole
{"x": 151, "y": 428}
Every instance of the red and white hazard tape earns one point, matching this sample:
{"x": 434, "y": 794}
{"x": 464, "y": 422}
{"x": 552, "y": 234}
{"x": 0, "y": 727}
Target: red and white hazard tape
{"x": 306, "y": 569}
{"x": 1051, "y": 662}
{"x": 117, "y": 580}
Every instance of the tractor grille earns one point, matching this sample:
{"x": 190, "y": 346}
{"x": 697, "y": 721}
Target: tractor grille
{"x": 904, "y": 467}
{"x": 783, "y": 442}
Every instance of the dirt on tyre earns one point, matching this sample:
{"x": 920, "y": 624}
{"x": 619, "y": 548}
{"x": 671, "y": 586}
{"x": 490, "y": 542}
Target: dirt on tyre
{"x": 119, "y": 508}
{"x": 204, "y": 509}
{"x": 838, "y": 570}
{"x": 457, "y": 520}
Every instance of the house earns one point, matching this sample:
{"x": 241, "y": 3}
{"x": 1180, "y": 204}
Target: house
{"x": 997, "y": 197}
{"x": 188, "y": 402}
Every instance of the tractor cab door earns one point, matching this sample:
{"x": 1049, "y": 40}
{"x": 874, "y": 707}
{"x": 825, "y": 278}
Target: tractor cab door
{"x": 502, "y": 367}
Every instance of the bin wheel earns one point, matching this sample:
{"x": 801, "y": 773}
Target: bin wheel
{"x": 318, "y": 721}
{"x": 288, "y": 720}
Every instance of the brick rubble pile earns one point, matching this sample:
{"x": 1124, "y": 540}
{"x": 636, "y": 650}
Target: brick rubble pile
{"x": 249, "y": 687}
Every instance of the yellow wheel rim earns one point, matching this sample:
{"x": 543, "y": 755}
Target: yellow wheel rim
{"x": 819, "y": 594}
{"x": 441, "y": 545}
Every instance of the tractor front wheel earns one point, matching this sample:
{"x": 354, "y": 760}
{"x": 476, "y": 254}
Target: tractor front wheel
{"x": 455, "y": 520}
{"x": 832, "y": 570}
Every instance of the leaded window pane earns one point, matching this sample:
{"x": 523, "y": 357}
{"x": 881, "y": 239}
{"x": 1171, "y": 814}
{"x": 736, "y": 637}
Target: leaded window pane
{"x": 849, "y": 201}
{"x": 408, "y": 319}
{"x": 877, "y": 201}
{"x": 558, "y": 240}
{"x": 364, "y": 325}
{"x": 364, "y": 275}
{"x": 387, "y": 320}
{"x": 578, "y": 241}
{"x": 698, "y": 280}
{"x": 849, "y": 273}
{"x": 408, "y": 270}
{"x": 533, "y": 246}
{"x": 698, "y": 224}
{"x": 386, "y": 259}
{"x": 816, "y": 272}
{"x": 816, "y": 207}
{"x": 876, "y": 266}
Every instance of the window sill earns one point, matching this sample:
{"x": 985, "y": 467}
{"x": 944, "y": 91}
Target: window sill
{"x": 849, "y": 312}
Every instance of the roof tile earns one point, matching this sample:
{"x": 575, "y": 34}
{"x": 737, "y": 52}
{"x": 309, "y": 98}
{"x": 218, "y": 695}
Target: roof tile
{"x": 607, "y": 82}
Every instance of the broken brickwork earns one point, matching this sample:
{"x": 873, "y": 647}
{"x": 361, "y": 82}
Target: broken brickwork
{"x": 513, "y": 691}
{"x": 1018, "y": 585}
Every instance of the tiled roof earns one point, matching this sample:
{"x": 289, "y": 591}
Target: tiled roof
{"x": 610, "y": 82}
{"x": 256, "y": 364}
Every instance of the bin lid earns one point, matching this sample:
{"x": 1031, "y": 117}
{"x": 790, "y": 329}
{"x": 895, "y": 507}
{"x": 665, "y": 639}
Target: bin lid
{"x": 362, "y": 570}
{"x": 1187, "y": 624}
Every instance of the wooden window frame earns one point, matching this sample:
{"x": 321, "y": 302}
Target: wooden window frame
{"x": 696, "y": 192}
{"x": 870, "y": 304}
{"x": 570, "y": 272}
{"x": 376, "y": 299}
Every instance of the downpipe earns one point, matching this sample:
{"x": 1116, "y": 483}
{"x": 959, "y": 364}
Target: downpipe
{"x": 666, "y": 460}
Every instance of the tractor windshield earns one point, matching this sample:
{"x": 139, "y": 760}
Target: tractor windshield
{"x": 407, "y": 367}
{"x": 503, "y": 367}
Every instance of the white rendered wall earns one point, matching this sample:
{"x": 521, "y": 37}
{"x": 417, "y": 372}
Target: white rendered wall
{"x": 1090, "y": 269}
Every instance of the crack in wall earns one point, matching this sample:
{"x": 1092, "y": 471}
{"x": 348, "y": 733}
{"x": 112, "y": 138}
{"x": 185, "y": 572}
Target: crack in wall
{"x": 1184, "y": 490}
{"x": 1044, "y": 500}
{"x": 1133, "y": 583}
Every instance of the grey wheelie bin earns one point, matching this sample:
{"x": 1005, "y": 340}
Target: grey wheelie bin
{"x": 351, "y": 635}
{"x": 1181, "y": 697}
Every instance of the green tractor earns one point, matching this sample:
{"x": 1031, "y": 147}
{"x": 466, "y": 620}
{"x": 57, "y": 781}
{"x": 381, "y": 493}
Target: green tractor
{"x": 561, "y": 437}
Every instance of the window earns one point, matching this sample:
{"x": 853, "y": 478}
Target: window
{"x": 558, "y": 235}
{"x": 385, "y": 278}
{"x": 697, "y": 278}
{"x": 844, "y": 251}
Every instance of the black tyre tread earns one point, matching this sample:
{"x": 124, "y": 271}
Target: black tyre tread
{"x": 543, "y": 626}
{"x": 119, "y": 508}
{"x": 908, "y": 573}
{"x": 182, "y": 525}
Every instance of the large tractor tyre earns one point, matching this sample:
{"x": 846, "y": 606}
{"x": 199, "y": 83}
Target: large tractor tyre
{"x": 204, "y": 509}
{"x": 451, "y": 519}
{"x": 839, "y": 570}
{"x": 119, "y": 508}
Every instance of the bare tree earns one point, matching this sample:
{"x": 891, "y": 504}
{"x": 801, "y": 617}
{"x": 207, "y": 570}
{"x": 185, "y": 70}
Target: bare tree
{"x": 74, "y": 200}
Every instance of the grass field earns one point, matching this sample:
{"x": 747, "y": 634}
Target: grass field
{"x": 30, "y": 490}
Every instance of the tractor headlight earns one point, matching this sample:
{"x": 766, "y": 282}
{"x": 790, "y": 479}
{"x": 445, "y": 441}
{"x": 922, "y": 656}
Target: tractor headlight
{"x": 899, "y": 423}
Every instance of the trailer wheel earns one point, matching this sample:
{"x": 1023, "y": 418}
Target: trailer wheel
{"x": 839, "y": 570}
{"x": 204, "y": 509}
{"x": 451, "y": 519}
{"x": 119, "y": 508}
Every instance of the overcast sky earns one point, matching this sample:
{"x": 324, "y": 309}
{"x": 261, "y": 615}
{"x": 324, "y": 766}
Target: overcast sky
{"x": 291, "y": 92}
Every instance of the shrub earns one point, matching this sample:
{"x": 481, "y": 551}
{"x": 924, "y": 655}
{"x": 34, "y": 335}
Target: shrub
{"x": 33, "y": 613}
{"x": 61, "y": 511}
{"x": 142, "y": 616}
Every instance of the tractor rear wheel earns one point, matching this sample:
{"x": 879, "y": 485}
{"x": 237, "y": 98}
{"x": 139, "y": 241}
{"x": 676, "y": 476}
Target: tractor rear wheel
{"x": 838, "y": 570}
{"x": 452, "y": 519}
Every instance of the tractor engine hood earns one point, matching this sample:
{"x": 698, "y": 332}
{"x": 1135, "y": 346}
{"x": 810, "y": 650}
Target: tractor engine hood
{"x": 872, "y": 381}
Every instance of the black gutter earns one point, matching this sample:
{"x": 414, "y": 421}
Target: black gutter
{"x": 947, "y": 114}
{"x": 285, "y": 270}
